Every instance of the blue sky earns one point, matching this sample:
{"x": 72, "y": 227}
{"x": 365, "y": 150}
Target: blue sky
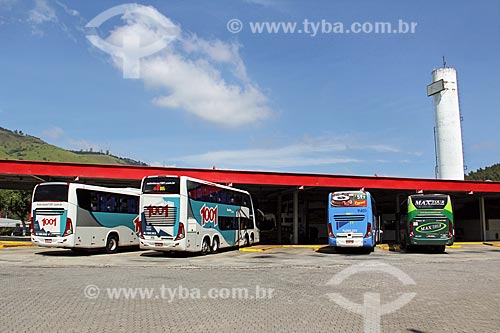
{"x": 330, "y": 103}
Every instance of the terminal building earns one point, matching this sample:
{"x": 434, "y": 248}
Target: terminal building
{"x": 293, "y": 206}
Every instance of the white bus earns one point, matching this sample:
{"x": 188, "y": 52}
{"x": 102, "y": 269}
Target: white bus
{"x": 79, "y": 216}
{"x": 187, "y": 214}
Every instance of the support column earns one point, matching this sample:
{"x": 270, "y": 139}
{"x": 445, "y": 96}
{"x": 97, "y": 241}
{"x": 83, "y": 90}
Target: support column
{"x": 397, "y": 235}
{"x": 304, "y": 222}
{"x": 482, "y": 218}
{"x": 296, "y": 217}
{"x": 278, "y": 218}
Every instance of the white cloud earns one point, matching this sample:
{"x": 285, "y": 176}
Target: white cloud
{"x": 265, "y": 3}
{"x": 42, "y": 13}
{"x": 69, "y": 11}
{"x": 161, "y": 164}
{"x": 218, "y": 51}
{"x": 53, "y": 133}
{"x": 206, "y": 78}
{"x": 308, "y": 152}
{"x": 284, "y": 157}
{"x": 83, "y": 145}
{"x": 45, "y": 14}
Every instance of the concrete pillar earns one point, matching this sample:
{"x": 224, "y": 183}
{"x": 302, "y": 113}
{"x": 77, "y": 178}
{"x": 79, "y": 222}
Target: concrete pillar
{"x": 303, "y": 220}
{"x": 278, "y": 218}
{"x": 296, "y": 217}
{"x": 482, "y": 218}
{"x": 397, "y": 235}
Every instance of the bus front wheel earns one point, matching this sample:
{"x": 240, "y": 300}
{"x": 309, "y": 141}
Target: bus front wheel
{"x": 111, "y": 244}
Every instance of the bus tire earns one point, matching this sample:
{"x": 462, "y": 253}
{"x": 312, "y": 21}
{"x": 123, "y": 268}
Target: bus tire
{"x": 252, "y": 239}
{"x": 215, "y": 245}
{"x": 205, "y": 246}
{"x": 440, "y": 249}
{"x": 111, "y": 244}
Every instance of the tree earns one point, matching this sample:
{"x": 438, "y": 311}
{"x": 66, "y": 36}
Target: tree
{"x": 16, "y": 204}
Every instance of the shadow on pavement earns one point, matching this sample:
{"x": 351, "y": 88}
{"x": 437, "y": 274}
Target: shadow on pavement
{"x": 84, "y": 252}
{"x": 355, "y": 250}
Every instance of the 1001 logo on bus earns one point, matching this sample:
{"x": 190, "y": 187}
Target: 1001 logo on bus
{"x": 157, "y": 210}
{"x": 208, "y": 214}
{"x": 46, "y": 221}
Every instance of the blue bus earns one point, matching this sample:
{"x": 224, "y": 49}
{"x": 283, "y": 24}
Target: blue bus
{"x": 352, "y": 220}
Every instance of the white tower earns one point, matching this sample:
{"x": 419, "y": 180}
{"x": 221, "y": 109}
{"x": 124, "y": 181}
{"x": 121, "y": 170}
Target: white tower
{"x": 448, "y": 130}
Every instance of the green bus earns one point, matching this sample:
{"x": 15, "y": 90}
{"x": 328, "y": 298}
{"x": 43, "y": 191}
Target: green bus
{"x": 427, "y": 220}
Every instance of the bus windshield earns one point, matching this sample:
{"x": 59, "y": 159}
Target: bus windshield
{"x": 161, "y": 185}
{"x": 51, "y": 192}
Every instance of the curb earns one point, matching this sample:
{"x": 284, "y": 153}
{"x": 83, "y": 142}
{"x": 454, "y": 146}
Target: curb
{"x": 262, "y": 248}
{"x": 5, "y": 244}
{"x": 387, "y": 247}
{"x": 492, "y": 244}
{"x": 397, "y": 247}
{"x": 258, "y": 248}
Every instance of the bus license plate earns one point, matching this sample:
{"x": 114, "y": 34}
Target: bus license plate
{"x": 349, "y": 241}
{"x": 158, "y": 244}
{"x": 48, "y": 241}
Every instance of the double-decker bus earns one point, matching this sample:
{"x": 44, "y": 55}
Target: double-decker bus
{"x": 79, "y": 216}
{"x": 187, "y": 214}
{"x": 352, "y": 219}
{"x": 427, "y": 220}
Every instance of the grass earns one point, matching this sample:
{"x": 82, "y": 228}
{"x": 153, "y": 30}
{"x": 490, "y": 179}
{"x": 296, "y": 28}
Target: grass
{"x": 18, "y": 146}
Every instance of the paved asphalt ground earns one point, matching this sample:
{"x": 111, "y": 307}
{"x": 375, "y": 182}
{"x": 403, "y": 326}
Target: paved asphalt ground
{"x": 287, "y": 290}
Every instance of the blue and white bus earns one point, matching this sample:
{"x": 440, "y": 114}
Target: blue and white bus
{"x": 188, "y": 214}
{"x": 79, "y": 216}
{"x": 352, "y": 219}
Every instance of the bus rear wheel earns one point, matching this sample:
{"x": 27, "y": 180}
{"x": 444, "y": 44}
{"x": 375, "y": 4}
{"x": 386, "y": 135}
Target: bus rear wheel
{"x": 205, "y": 246}
{"x": 439, "y": 248}
{"x": 111, "y": 244}
{"x": 215, "y": 245}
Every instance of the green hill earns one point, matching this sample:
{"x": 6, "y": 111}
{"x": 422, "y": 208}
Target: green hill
{"x": 488, "y": 173}
{"x": 15, "y": 145}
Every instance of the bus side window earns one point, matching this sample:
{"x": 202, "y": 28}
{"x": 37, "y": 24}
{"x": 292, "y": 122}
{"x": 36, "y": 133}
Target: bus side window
{"x": 123, "y": 204}
{"x": 102, "y": 202}
{"x": 111, "y": 201}
{"x": 83, "y": 199}
{"x": 132, "y": 205}
{"x": 93, "y": 201}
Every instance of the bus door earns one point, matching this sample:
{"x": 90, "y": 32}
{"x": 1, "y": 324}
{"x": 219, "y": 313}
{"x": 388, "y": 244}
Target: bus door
{"x": 243, "y": 216}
